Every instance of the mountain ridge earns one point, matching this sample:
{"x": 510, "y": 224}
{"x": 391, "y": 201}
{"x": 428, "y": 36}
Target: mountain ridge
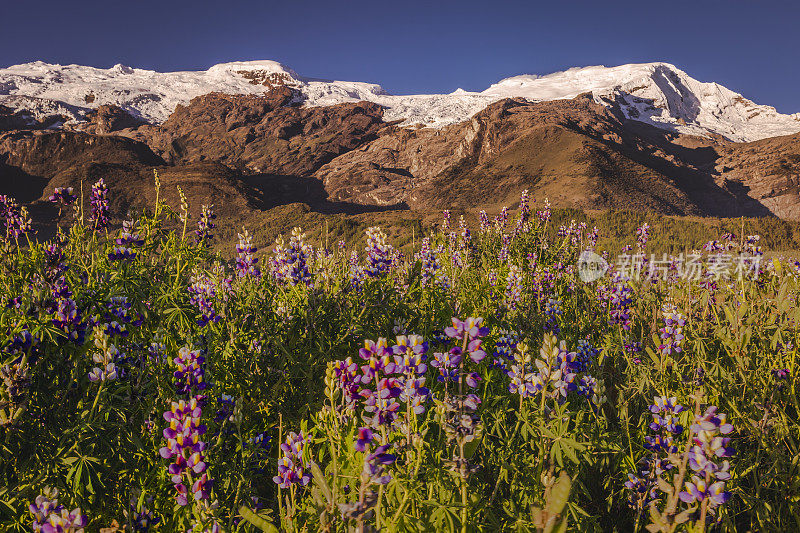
{"x": 658, "y": 94}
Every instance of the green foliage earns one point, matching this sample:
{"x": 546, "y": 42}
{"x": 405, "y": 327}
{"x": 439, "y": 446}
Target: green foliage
{"x": 551, "y": 457}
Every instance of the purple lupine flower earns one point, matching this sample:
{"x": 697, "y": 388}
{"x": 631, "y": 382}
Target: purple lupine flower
{"x": 68, "y": 319}
{"x": 585, "y": 354}
{"x": 484, "y": 221}
{"x": 504, "y": 349}
{"x": 18, "y": 222}
{"x": 552, "y": 312}
{"x": 751, "y": 245}
{"x": 672, "y": 332}
{"x": 617, "y": 298}
{"x": 141, "y": 519}
{"x": 447, "y": 364}
{"x": 347, "y": 380}
{"x": 364, "y": 438}
{"x": 246, "y": 263}
{"x": 472, "y": 327}
{"x": 697, "y": 490}
{"x": 501, "y": 221}
{"x": 190, "y": 373}
{"x": 544, "y": 215}
{"x": 379, "y": 254}
{"x": 592, "y": 238}
{"x": 709, "y": 445}
{"x": 524, "y": 206}
{"x": 203, "y": 291}
{"x": 51, "y": 517}
{"x": 204, "y": 226}
{"x": 378, "y": 356}
{"x": 124, "y": 244}
{"x": 290, "y": 466}
{"x": 410, "y": 354}
{"x": 375, "y": 465}
{"x": 502, "y": 255}
{"x": 290, "y": 263}
{"x": 63, "y": 196}
{"x": 107, "y": 356}
{"x": 524, "y": 383}
{"x": 445, "y": 221}
{"x": 225, "y": 406}
{"x": 381, "y": 403}
{"x": 98, "y": 217}
{"x": 186, "y": 449}
{"x": 642, "y": 236}
{"x": 513, "y": 294}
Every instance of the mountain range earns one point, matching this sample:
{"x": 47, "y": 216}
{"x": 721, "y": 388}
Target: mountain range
{"x": 255, "y": 135}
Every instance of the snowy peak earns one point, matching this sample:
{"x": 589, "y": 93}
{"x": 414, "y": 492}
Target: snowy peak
{"x": 660, "y": 94}
{"x": 657, "y": 93}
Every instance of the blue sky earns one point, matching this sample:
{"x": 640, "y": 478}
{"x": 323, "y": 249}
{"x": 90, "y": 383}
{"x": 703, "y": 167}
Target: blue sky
{"x": 752, "y": 47}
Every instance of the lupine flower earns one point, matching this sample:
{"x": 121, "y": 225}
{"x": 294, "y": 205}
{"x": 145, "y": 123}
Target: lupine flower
{"x": 445, "y": 221}
{"x": 617, "y": 298}
{"x": 504, "y": 348}
{"x": 127, "y": 239}
{"x": 364, "y": 438}
{"x": 17, "y": 220}
{"x": 190, "y": 374}
{"x": 204, "y": 226}
{"x": 186, "y": 449}
{"x": 513, "y": 293}
{"x": 710, "y": 445}
{"x": 381, "y": 403}
{"x": 290, "y": 263}
{"x": 642, "y": 236}
{"x": 502, "y": 219}
{"x": 202, "y": 291}
{"x": 447, "y": 364}
{"x": 50, "y": 517}
{"x": 672, "y": 332}
{"x": 502, "y": 255}
{"x": 410, "y": 354}
{"x": 666, "y": 429}
{"x": 348, "y": 381}
{"x": 524, "y": 206}
{"x": 63, "y": 196}
{"x": 696, "y": 490}
{"x": 552, "y": 311}
{"x": 544, "y": 215}
{"x": 246, "y": 262}
{"x": 484, "y": 221}
{"x": 68, "y": 319}
{"x": 378, "y": 357}
{"x": 290, "y": 465}
{"x": 375, "y": 465}
{"x": 472, "y": 327}
{"x": 379, "y": 254}
{"x": 585, "y": 354}
{"x": 140, "y": 519}
{"x": 107, "y": 356}
{"x": 751, "y": 245}
{"x": 592, "y": 238}
{"x": 98, "y": 217}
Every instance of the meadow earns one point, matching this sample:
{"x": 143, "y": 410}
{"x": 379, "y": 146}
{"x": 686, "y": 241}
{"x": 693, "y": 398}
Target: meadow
{"x": 469, "y": 377}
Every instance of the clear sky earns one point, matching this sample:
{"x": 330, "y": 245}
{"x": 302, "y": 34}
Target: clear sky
{"x": 752, "y": 47}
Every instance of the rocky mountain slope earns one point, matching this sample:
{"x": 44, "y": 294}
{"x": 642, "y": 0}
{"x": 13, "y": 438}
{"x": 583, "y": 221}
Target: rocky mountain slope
{"x": 270, "y": 147}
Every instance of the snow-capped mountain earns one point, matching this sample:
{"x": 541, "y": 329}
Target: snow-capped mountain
{"x": 656, "y": 93}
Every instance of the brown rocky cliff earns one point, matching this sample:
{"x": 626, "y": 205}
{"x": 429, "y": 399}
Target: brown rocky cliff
{"x": 267, "y": 134}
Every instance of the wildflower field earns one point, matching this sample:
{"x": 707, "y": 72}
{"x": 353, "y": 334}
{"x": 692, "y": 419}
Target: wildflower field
{"x": 476, "y": 382}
